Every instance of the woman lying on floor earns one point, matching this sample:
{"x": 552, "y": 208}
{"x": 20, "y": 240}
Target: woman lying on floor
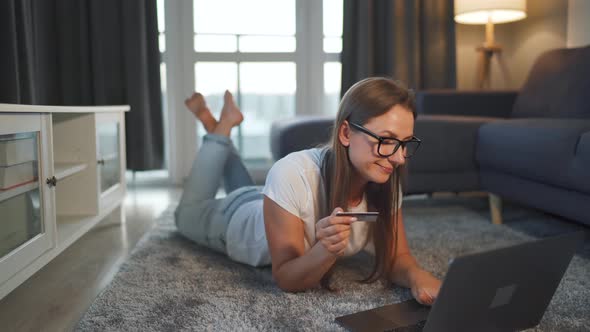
{"x": 292, "y": 222}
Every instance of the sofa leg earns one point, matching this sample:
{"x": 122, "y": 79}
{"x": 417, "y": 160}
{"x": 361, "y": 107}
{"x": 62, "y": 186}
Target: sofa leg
{"x": 495, "y": 209}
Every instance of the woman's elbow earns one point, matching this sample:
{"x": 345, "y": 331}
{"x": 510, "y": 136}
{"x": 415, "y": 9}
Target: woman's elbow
{"x": 287, "y": 285}
{"x": 288, "y": 288}
{"x": 283, "y": 284}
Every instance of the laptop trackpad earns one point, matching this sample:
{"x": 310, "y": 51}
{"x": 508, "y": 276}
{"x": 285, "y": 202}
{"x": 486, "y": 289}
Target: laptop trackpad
{"x": 386, "y": 317}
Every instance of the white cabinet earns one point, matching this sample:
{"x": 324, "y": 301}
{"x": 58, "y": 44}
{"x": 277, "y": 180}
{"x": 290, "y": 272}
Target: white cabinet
{"x": 61, "y": 172}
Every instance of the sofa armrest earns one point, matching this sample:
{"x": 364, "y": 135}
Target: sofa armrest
{"x": 469, "y": 103}
{"x": 295, "y": 134}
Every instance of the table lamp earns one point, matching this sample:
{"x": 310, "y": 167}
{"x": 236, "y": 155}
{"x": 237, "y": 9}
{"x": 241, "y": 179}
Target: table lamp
{"x": 488, "y": 12}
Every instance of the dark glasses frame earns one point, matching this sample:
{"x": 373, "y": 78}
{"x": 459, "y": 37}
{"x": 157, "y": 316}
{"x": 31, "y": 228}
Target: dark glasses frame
{"x": 382, "y": 139}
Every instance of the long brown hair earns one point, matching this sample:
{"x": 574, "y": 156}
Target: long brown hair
{"x": 367, "y": 99}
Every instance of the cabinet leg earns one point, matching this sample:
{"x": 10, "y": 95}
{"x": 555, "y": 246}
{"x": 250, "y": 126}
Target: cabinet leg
{"x": 495, "y": 209}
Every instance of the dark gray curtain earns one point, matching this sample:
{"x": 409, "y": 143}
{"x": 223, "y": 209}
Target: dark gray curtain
{"x": 409, "y": 40}
{"x": 87, "y": 52}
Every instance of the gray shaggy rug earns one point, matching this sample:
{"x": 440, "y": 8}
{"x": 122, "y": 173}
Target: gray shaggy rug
{"x": 171, "y": 284}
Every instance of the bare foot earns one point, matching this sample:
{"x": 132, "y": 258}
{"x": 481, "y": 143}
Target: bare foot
{"x": 196, "y": 104}
{"x": 230, "y": 111}
{"x": 230, "y": 116}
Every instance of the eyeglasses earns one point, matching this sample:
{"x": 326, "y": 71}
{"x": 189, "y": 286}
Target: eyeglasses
{"x": 389, "y": 145}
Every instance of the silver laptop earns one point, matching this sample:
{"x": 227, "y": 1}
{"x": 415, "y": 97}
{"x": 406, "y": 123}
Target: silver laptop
{"x": 505, "y": 289}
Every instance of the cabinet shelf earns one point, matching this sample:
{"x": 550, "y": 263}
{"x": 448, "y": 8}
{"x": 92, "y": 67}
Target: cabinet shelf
{"x": 64, "y": 170}
{"x": 7, "y": 194}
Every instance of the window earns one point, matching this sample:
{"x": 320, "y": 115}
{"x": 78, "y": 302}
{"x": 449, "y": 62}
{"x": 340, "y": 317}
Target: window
{"x": 251, "y": 53}
{"x": 278, "y": 58}
{"x": 244, "y": 26}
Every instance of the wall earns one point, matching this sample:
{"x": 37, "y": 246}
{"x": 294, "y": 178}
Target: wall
{"x": 578, "y": 23}
{"x": 523, "y": 41}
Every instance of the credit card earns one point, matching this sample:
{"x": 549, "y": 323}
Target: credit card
{"x": 361, "y": 216}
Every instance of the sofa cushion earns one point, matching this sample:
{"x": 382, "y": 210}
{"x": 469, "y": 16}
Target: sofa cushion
{"x": 557, "y": 86}
{"x": 550, "y": 151}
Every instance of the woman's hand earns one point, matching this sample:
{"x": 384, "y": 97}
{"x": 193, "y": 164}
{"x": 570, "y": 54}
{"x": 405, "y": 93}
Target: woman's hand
{"x": 425, "y": 287}
{"x": 333, "y": 232}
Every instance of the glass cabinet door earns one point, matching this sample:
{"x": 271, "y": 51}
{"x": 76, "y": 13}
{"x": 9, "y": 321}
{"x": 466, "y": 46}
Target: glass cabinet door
{"x": 19, "y": 191}
{"x": 109, "y": 155}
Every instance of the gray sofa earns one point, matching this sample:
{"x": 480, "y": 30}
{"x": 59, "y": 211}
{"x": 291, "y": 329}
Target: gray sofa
{"x": 530, "y": 146}
{"x": 540, "y": 156}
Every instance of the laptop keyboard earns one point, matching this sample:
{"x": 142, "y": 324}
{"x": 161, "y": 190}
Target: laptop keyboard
{"x": 418, "y": 327}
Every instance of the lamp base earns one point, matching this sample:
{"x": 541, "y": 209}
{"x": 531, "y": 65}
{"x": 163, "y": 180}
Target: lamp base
{"x": 486, "y": 52}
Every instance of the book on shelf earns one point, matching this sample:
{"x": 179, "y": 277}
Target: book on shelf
{"x": 17, "y": 151}
{"x": 17, "y": 175}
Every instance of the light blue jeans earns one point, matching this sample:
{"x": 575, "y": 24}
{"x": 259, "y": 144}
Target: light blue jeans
{"x": 201, "y": 217}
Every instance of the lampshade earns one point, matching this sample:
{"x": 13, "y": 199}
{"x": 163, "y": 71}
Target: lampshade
{"x": 480, "y": 11}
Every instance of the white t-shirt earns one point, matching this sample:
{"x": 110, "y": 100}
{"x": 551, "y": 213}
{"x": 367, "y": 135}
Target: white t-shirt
{"x": 295, "y": 184}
